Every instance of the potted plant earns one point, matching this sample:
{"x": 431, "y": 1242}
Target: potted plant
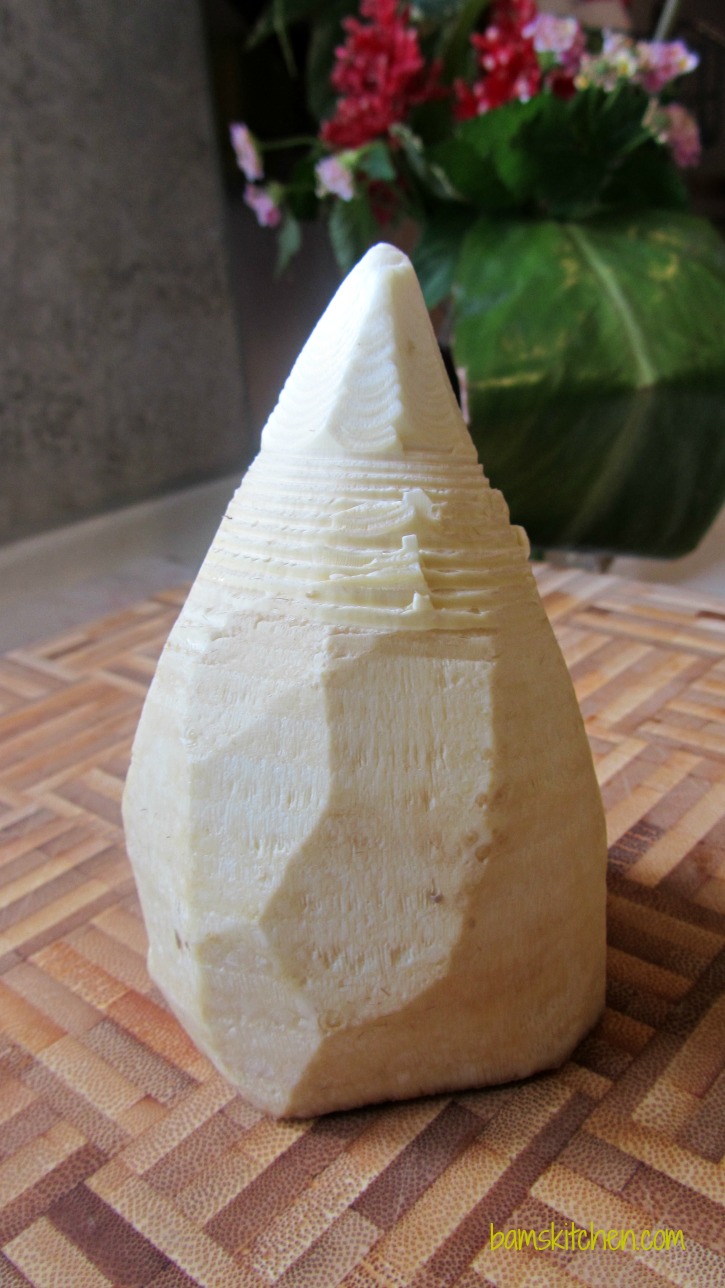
{"x": 539, "y": 166}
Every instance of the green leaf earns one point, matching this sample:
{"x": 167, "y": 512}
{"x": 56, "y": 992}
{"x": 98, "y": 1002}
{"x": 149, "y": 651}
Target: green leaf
{"x": 574, "y": 147}
{"x": 352, "y": 231}
{"x": 497, "y": 138}
{"x": 647, "y": 177}
{"x": 455, "y": 46}
{"x": 472, "y": 177}
{"x": 288, "y": 243}
{"x": 431, "y": 176}
{"x": 376, "y": 162}
{"x": 596, "y": 376}
{"x": 485, "y": 161}
{"x": 494, "y": 130}
{"x": 327, "y": 33}
{"x": 436, "y": 254}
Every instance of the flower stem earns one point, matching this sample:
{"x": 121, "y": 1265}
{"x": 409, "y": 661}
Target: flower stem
{"x": 299, "y": 141}
{"x": 667, "y": 19}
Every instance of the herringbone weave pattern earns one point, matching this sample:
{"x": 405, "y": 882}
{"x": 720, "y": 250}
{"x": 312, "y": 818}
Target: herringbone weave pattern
{"x": 126, "y": 1160}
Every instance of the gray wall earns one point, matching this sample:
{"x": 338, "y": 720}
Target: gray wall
{"x": 119, "y": 357}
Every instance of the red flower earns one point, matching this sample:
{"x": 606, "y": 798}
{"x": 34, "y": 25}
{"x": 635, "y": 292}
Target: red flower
{"x": 507, "y": 59}
{"x": 380, "y": 74}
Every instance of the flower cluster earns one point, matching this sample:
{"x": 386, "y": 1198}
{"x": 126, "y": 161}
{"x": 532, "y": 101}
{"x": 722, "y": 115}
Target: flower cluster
{"x": 674, "y": 126}
{"x": 264, "y": 204}
{"x": 372, "y": 153}
{"x": 507, "y": 61}
{"x": 380, "y": 75}
{"x": 246, "y": 152}
{"x": 651, "y": 64}
{"x": 334, "y": 177}
{"x": 259, "y": 198}
{"x": 560, "y": 45}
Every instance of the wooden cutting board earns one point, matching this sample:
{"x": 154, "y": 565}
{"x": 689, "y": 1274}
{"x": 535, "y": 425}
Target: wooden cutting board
{"x": 126, "y": 1160}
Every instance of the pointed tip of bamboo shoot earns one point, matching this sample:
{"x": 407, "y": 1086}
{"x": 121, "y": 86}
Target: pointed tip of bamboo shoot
{"x": 370, "y": 381}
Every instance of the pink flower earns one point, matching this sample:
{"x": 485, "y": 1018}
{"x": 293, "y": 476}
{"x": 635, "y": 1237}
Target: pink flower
{"x": 261, "y": 201}
{"x": 678, "y": 129}
{"x": 334, "y": 178}
{"x": 248, "y": 158}
{"x": 560, "y": 36}
{"x": 661, "y": 61}
{"x": 649, "y": 63}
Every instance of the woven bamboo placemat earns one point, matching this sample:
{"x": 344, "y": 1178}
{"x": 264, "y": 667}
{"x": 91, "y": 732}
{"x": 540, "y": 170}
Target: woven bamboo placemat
{"x": 126, "y": 1160}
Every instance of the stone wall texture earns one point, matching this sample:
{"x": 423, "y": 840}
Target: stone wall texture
{"x": 119, "y": 358}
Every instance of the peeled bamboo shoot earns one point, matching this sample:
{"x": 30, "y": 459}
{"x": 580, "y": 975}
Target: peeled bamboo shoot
{"x": 361, "y": 808}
